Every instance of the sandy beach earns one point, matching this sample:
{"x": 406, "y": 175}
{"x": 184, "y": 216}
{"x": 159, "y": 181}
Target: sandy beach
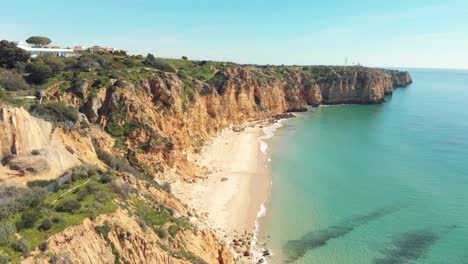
{"x": 236, "y": 184}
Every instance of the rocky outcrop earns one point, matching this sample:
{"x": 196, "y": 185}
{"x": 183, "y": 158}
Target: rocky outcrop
{"x": 175, "y": 113}
{"x": 154, "y": 125}
{"x": 123, "y": 237}
{"x": 32, "y": 149}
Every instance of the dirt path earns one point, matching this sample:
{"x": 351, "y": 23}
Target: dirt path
{"x": 63, "y": 194}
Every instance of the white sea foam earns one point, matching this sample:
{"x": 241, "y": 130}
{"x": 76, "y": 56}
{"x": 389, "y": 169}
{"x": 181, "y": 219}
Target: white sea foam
{"x": 269, "y": 133}
{"x": 257, "y": 252}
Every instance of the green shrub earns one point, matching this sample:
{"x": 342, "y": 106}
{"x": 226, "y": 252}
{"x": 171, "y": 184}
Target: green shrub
{"x": 87, "y": 64}
{"x": 102, "y": 196}
{"x": 102, "y": 82}
{"x": 105, "y": 178}
{"x": 54, "y": 62}
{"x": 4, "y": 260}
{"x": 38, "y": 72}
{"x": 173, "y": 229}
{"x": 162, "y": 233}
{"x": 70, "y": 206}
{"x": 117, "y": 163}
{"x": 80, "y": 87}
{"x": 10, "y": 54}
{"x": 7, "y": 230}
{"x": 16, "y": 200}
{"x": 2, "y": 93}
{"x": 218, "y": 82}
{"x": 28, "y": 219}
{"x": 81, "y": 195}
{"x": 22, "y": 245}
{"x": 189, "y": 88}
{"x": 70, "y": 63}
{"x": 32, "y": 197}
{"x": 12, "y": 81}
{"x": 39, "y": 183}
{"x": 103, "y": 230}
{"x": 93, "y": 209}
{"x": 159, "y": 64}
{"x": 92, "y": 187}
{"x": 46, "y": 224}
{"x": 56, "y": 219}
{"x": 56, "y": 112}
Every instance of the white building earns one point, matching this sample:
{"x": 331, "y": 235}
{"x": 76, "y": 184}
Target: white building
{"x": 46, "y": 51}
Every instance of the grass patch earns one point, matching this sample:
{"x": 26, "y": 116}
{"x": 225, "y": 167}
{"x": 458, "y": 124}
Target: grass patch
{"x": 35, "y": 235}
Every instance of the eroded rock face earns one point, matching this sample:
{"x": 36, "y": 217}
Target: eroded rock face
{"x": 162, "y": 122}
{"x": 313, "y": 95}
{"x": 31, "y": 149}
{"x": 133, "y": 242}
{"x": 175, "y": 121}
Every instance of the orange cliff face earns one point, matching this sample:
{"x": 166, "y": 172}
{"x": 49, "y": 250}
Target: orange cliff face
{"x": 126, "y": 238}
{"x": 154, "y": 124}
{"x": 32, "y": 149}
{"x": 169, "y": 116}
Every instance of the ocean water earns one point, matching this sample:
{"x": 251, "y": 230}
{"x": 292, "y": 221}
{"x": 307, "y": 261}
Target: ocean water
{"x": 376, "y": 183}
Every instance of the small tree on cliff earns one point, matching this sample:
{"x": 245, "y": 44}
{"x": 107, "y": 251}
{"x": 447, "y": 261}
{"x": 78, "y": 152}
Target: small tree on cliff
{"x": 38, "y": 41}
{"x": 159, "y": 64}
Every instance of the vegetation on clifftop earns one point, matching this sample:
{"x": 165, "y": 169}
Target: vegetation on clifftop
{"x": 127, "y": 99}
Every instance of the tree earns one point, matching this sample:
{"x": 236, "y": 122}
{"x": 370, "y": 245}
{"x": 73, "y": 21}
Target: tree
{"x": 10, "y": 54}
{"x": 158, "y": 64}
{"x": 150, "y": 60}
{"x": 39, "y": 72}
{"x": 184, "y": 58}
{"x": 38, "y": 41}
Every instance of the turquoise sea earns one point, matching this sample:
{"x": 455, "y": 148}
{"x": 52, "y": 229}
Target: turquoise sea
{"x": 386, "y": 183}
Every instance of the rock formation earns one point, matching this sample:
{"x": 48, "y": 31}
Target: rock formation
{"x": 32, "y": 149}
{"x": 166, "y": 115}
{"x": 153, "y": 123}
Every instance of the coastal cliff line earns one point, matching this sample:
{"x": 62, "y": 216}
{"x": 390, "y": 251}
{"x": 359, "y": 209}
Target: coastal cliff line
{"x": 140, "y": 125}
{"x": 180, "y": 112}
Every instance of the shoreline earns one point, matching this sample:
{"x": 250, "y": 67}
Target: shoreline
{"x": 237, "y": 183}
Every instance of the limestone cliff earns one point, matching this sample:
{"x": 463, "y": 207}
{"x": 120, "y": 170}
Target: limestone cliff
{"x": 167, "y": 114}
{"x": 153, "y": 123}
{"x": 32, "y": 149}
{"x": 123, "y": 237}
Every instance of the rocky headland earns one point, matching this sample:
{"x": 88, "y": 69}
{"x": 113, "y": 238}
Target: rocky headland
{"x": 155, "y": 122}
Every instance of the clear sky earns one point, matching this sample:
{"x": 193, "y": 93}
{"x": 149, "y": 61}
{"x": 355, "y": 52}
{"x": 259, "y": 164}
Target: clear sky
{"x": 409, "y": 33}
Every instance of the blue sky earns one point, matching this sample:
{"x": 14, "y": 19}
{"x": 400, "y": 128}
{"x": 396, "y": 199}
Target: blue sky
{"x": 416, "y": 33}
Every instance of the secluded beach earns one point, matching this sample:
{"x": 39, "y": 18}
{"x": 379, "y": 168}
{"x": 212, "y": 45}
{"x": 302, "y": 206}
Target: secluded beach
{"x": 236, "y": 184}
